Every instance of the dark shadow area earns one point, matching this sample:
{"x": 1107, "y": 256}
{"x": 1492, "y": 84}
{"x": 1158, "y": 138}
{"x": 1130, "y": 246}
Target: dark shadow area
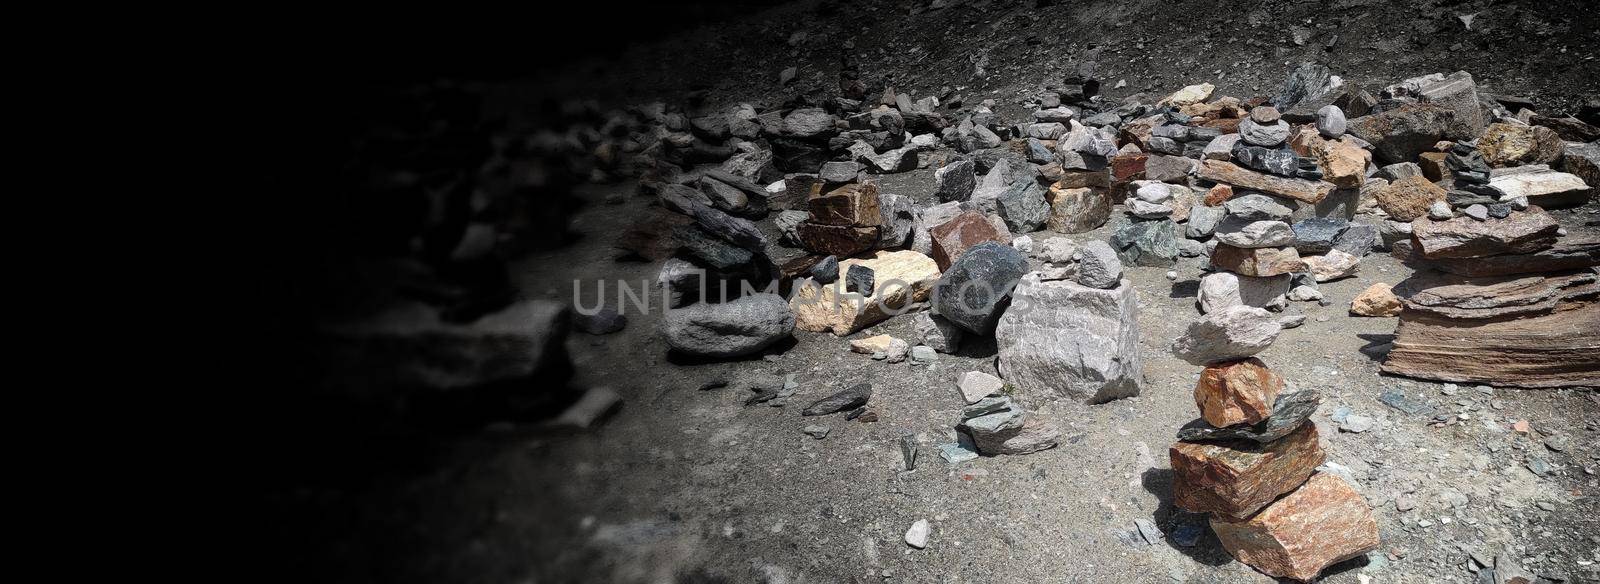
{"x": 1378, "y": 345}
{"x": 679, "y": 358}
{"x": 1185, "y": 289}
{"x": 1174, "y": 522}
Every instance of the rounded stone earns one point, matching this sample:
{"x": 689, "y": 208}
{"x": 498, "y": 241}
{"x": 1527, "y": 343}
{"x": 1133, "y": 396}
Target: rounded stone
{"x": 1264, "y": 114}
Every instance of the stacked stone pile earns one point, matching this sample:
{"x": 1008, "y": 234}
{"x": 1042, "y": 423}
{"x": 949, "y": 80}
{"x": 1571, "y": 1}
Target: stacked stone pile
{"x": 1252, "y": 459}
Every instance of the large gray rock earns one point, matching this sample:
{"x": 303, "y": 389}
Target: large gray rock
{"x": 1223, "y": 290}
{"x": 1308, "y": 87}
{"x": 1146, "y": 243}
{"x": 899, "y": 215}
{"x": 1266, "y": 135}
{"x": 730, "y": 329}
{"x": 1061, "y": 339}
{"x": 1330, "y": 121}
{"x": 970, "y": 293}
{"x": 1100, "y": 267}
{"x": 1317, "y": 234}
{"x": 1226, "y": 335}
{"x": 1400, "y": 134}
{"x": 955, "y": 181}
{"x": 1023, "y": 207}
{"x": 808, "y": 122}
{"x": 1203, "y": 221}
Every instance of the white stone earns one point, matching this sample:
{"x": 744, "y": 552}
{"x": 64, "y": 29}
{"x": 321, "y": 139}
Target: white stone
{"x": 917, "y": 536}
{"x": 976, "y": 385}
{"x": 1223, "y": 290}
{"x": 1062, "y": 339}
{"x": 1226, "y": 335}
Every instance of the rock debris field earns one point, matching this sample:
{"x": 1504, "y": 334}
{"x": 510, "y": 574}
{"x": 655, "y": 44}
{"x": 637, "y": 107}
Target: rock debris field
{"x": 1326, "y": 332}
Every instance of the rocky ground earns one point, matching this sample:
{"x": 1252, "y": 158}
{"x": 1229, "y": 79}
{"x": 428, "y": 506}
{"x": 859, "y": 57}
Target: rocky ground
{"x": 686, "y": 483}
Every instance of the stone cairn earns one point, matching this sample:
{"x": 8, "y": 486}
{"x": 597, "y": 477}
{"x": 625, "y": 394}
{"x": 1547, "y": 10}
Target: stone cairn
{"x": 1252, "y": 459}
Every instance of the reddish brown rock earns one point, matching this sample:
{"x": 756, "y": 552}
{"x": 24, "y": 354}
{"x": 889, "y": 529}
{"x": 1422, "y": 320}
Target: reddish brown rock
{"x": 1237, "y": 392}
{"x": 1219, "y": 194}
{"x": 1464, "y": 237}
{"x": 838, "y": 240}
{"x": 1567, "y": 254}
{"x": 1320, "y": 524}
{"x": 1225, "y": 125}
{"x": 1343, "y": 163}
{"x": 1505, "y": 144}
{"x": 1128, "y": 167}
{"x": 1236, "y": 478}
{"x": 1260, "y": 261}
{"x": 1408, "y": 198}
{"x": 1433, "y": 166}
{"x": 1083, "y": 179}
{"x": 952, "y": 239}
{"x": 1377, "y": 300}
{"x": 1297, "y": 189}
{"x": 853, "y": 204}
{"x": 1137, "y": 132}
{"x": 1305, "y": 141}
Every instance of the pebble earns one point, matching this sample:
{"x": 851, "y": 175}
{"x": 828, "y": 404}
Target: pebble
{"x": 1356, "y": 424}
{"x": 1449, "y": 389}
{"x": 1478, "y": 212}
{"x": 917, "y": 536}
{"x": 817, "y": 431}
{"x": 1440, "y": 211}
{"x": 1172, "y": 275}
{"x": 1292, "y": 321}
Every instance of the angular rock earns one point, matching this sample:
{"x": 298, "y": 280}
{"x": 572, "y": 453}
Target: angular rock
{"x": 808, "y": 122}
{"x": 1263, "y": 134}
{"x": 1316, "y": 235}
{"x": 1253, "y": 234}
{"x": 937, "y": 333}
{"x": 1506, "y": 144}
{"x": 1189, "y": 95}
{"x": 1032, "y": 436}
{"x": 1356, "y": 239}
{"x": 1400, "y": 134}
{"x": 839, "y": 240}
{"x": 1320, "y": 524}
{"x": 1146, "y": 243}
{"x": 899, "y": 215}
{"x": 976, "y": 385}
{"x": 855, "y": 204}
{"x": 1023, "y": 207}
{"x": 1343, "y": 163}
{"x": 1222, "y": 290}
{"x": 1260, "y": 262}
{"x": 1172, "y": 169}
{"x": 1523, "y": 232}
{"x": 1332, "y": 266}
{"x": 1545, "y": 188}
{"x": 903, "y": 277}
{"x": 826, "y": 271}
{"x": 1583, "y": 160}
{"x": 730, "y": 329}
{"x": 955, "y": 181}
{"x": 1377, "y": 300}
{"x": 839, "y": 172}
{"x": 1227, "y": 335}
{"x": 859, "y": 279}
{"x": 1203, "y": 221}
{"x": 1062, "y": 339}
{"x": 955, "y": 237}
{"x": 1257, "y": 207}
{"x": 1289, "y": 412}
{"x": 845, "y": 400}
{"x": 1100, "y": 267}
{"x": 971, "y": 292}
{"x": 1237, "y": 478}
{"x": 1308, "y": 87}
{"x": 1297, "y": 189}
{"x": 1565, "y": 255}
{"x": 1237, "y": 392}
{"x": 1409, "y": 198}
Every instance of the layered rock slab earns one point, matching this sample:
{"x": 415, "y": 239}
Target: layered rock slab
{"x": 1235, "y": 479}
{"x": 1320, "y": 524}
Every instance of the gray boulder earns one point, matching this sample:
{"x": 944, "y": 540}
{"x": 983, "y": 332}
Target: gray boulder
{"x": 955, "y": 181}
{"x": 1023, "y": 207}
{"x": 1226, "y": 335}
{"x": 1062, "y": 339}
{"x": 1223, "y": 290}
{"x": 730, "y": 329}
{"x": 970, "y": 293}
{"x": 1100, "y": 267}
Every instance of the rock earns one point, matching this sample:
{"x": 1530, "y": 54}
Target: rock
{"x": 1077, "y": 210}
{"x": 1252, "y": 234}
{"x": 1032, "y": 436}
{"x": 839, "y": 240}
{"x": 936, "y": 332}
{"x": 1237, "y": 392}
{"x": 870, "y": 345}
{"x": 1297, "y": 189}
{"x": 1565, "y": 255}
{"x": 1305, "y": 294}
{"x": 1235, "y": 479}
{"x": 917, "y": 536}
{"x": 976, "y": 385}
{"x": 958, "y": 452}
{"x": 1264, "y": 114}
{"x": 1478, "y": 212}
{"x": 1226, "y": 335}
{"x": 1377, "y": 300}
{"x": 1058, "y": 250}
{"x": 1583, "y": 160}
{"x": 602, "y": 322}
{"x": 1260, "y": 262}
{"x": 1203, "y": 221}
{"x": 1508, "y": 571}
{"x": 1355, "y": 424}
{"x": 1523, "y": 232}
{"x": 817, "y": 431}
{"x": 1146, "y": 243}
{"x": 854, "y": 204}
{"x": 1344, "y": 164}
{"x": 1289, "y": 412}
{"x": 1320, "y": 524}
{"x": 1222, "y": 290}
{"x": 1458, "y": 93}
{"x": 845, "y": 400}
{"x": 970, "y": 292}
{"x": 1220, "y": 148}
{"x": 839, "y": 172}
{"x": 955, "y": 181}
{"x": 1189, "y": 95}
{"x": 595, "y": 405}
{"x": 923, "y": 355}
{"x": 1147, "y": 210}
{"x": 808, "y": 122}
{"x": 1317, "y": 235}
{"x": 730, "y": 329}
{"x": 1023, "y": 243}
{"x": 1400, "y": 134}
{"x": 1505, "y": 144}
{"x": 1292, "y": 321}
{"x": 1257, "y": 207}
{"x": 1062, "y": 339}
{"x": 955, "y": 237}
{"x": 903, "y": 277}
{"x": 1399, "y": 170}
{"x": 1330, "y": 121}
{"x": 826, "y": 271}
{"x": 1332, "y": 266}
{"x": 1409, "y": 198}
{"x": 1263, "y": 134}
{"x": 1440, "y": 211}
{"x": 1172, "y": 169}
{"x": 1023, "y": 207}
{"x": 899, "y": 217}
{"x": 1543, "y": 187}
{"x": 1308, "y": 87}
{"x": 1100, "y": 267}
{"x": 1521, "y": 331}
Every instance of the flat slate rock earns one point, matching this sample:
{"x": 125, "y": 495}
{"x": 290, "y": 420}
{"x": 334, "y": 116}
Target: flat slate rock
{"x": 1288, "y": 413}
{"x": 851, "y": 398}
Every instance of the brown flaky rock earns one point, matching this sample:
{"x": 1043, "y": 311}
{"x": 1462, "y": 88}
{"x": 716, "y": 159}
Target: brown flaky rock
{"x": 1322, "y": 523}
{"x": 1237, "y": 392}
{"x": 1343, "y": 163}
{"x": 1408, "y": 198}
{"x": 1377, "y": 300}
{"x": 952, "y": 239}
{"x": 1236, "y": 478}
{"x": 1568, "y": 253}
{"x": 854, "y": 204}
{"x": 1260, "y": 261}
{"x": 838, "y": 240}
{"x": 1294, "y": 188}
{"x": 1464, "y": 237}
